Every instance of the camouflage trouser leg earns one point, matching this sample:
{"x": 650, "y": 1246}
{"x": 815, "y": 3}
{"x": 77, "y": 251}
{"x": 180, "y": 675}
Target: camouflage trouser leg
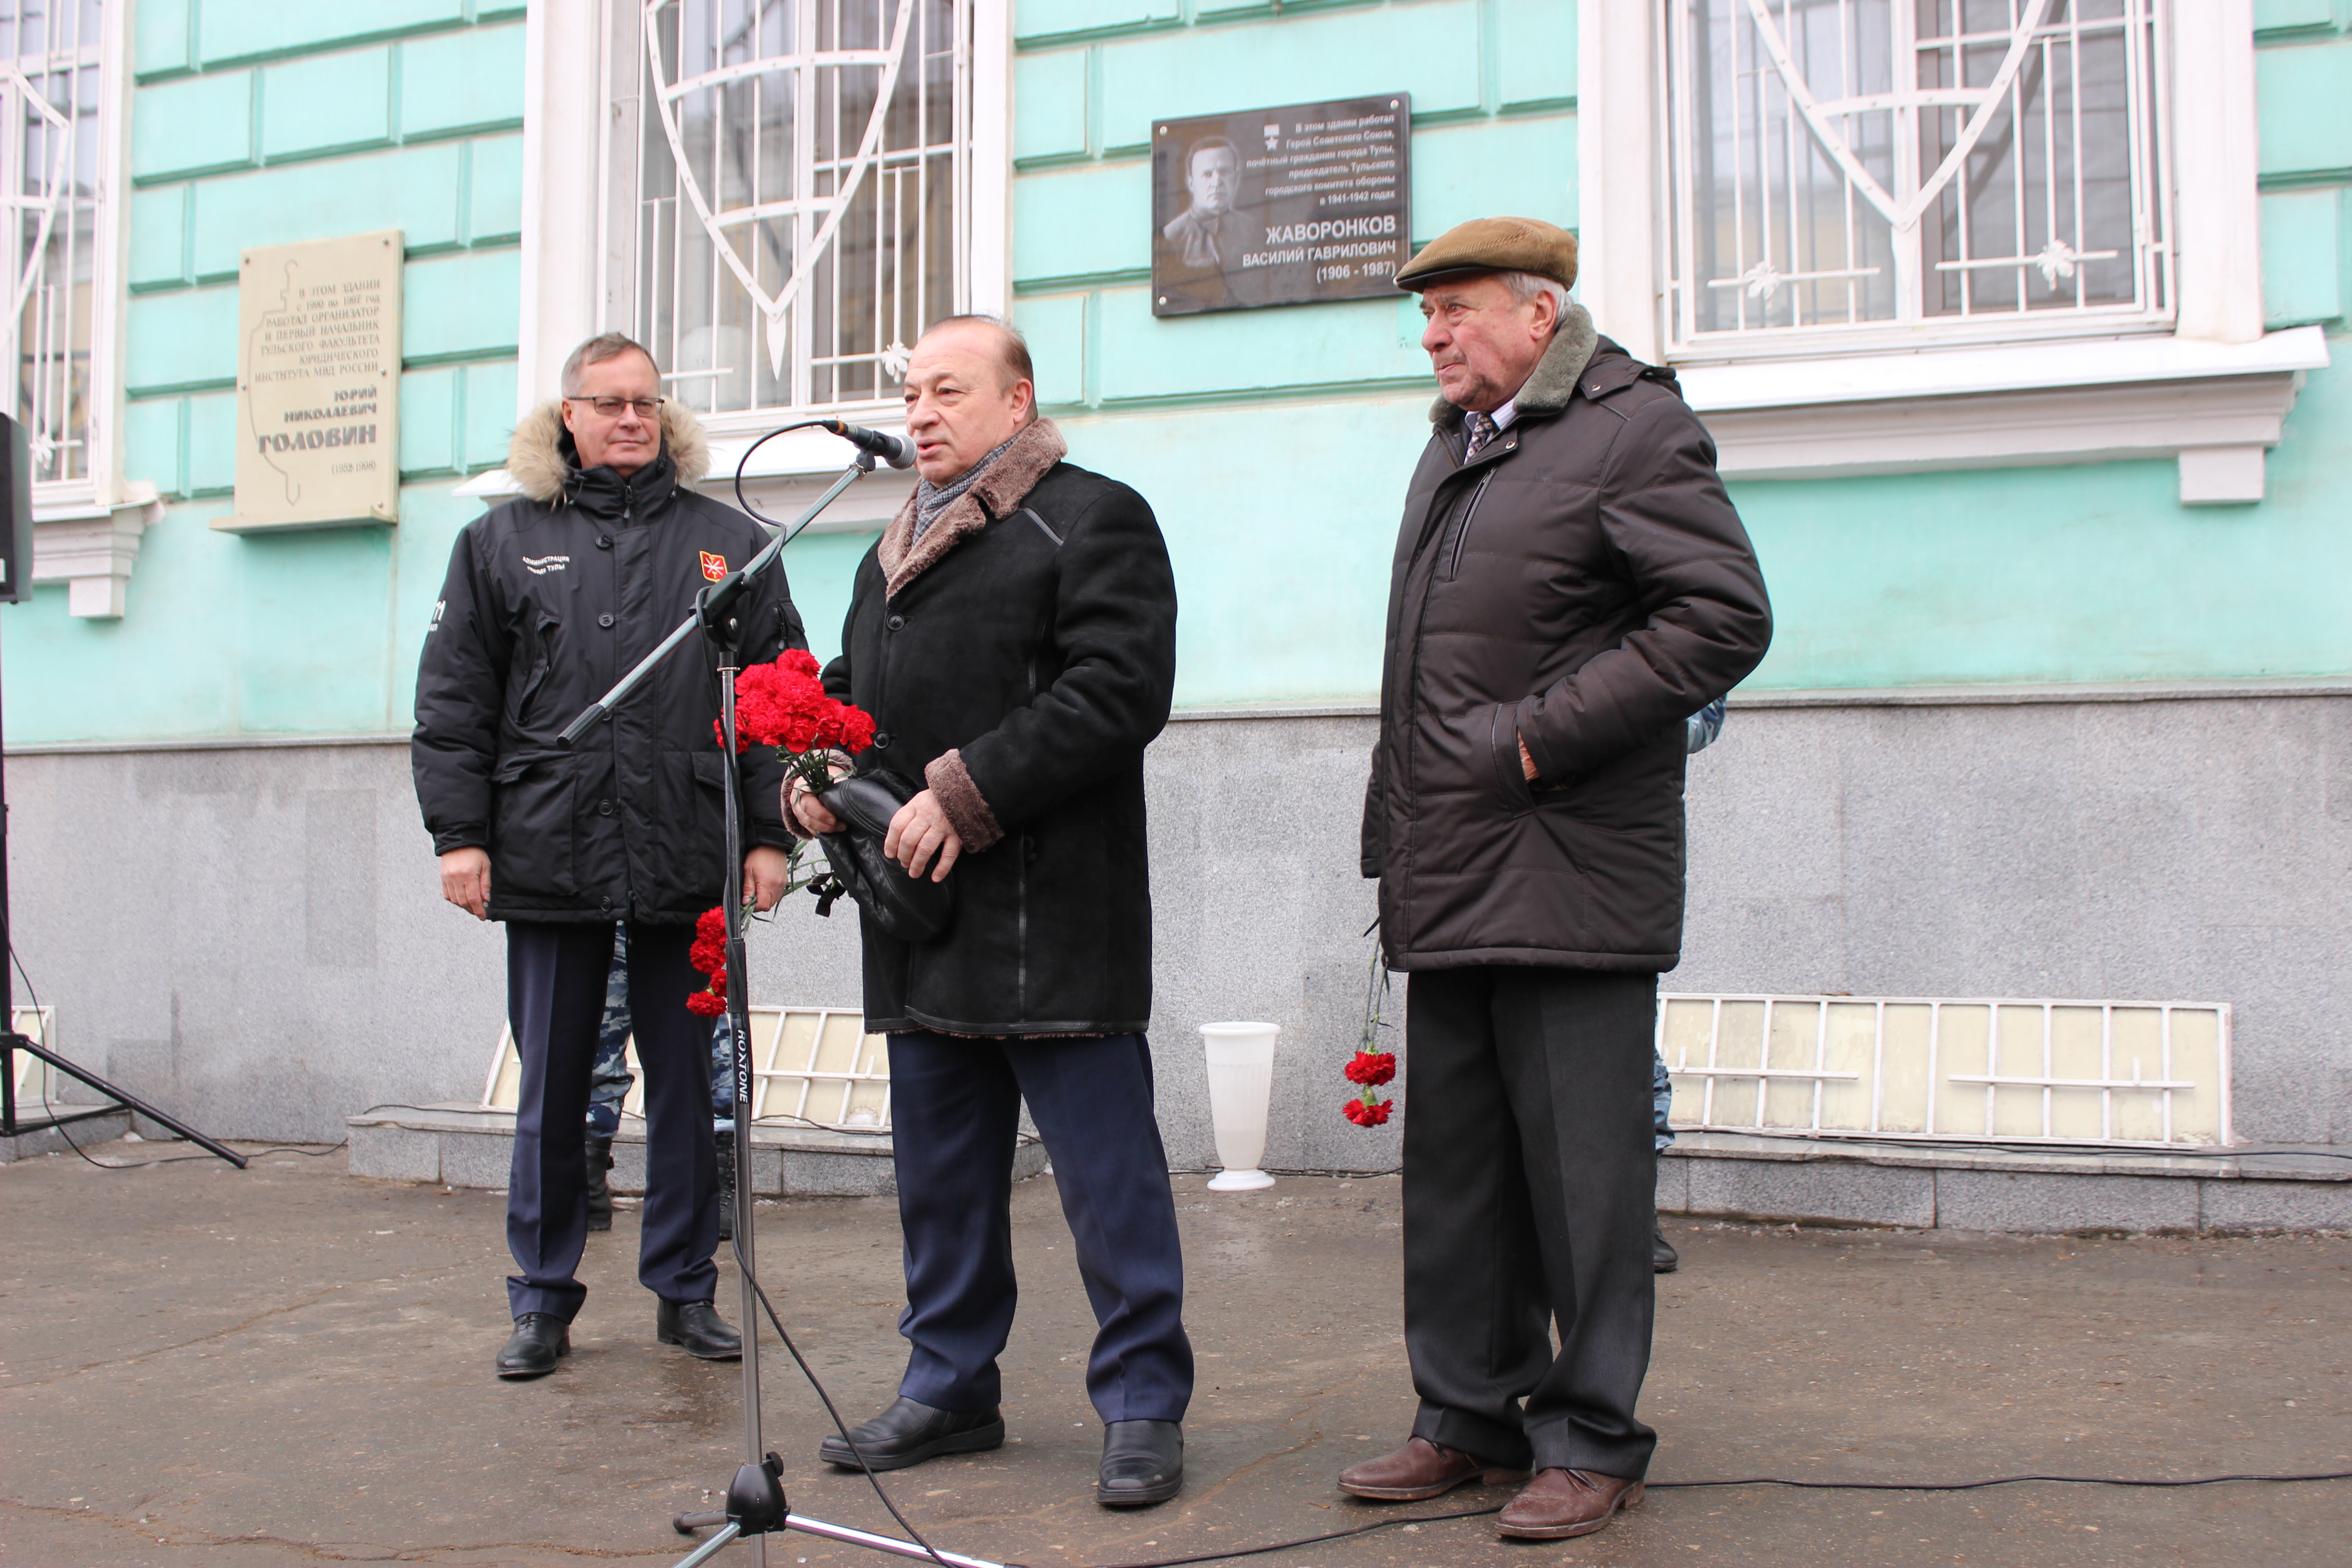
{"x": 610, "y": 1081}
{"x": 722, "y": 1072}
{"x": 1662, "y": 1100}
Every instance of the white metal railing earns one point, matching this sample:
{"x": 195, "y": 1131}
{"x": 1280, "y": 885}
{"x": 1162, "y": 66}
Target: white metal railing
{"x": 799, "y": 176}
{"x": 813, "y": 1067}
{"x": 2128, "y": 1074}
{"x": 51, "y": 67}
{"x": 1843, "y": 165}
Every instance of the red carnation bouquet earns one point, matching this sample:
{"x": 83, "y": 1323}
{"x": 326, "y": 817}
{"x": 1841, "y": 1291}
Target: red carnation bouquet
{"x": 784, "y": 705}
{"x": 1369, "y": 1068}
{"x": 708, "y": 954}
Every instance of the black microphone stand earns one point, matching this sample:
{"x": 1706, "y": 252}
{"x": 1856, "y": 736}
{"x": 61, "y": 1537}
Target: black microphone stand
{"x": 755, "y": 1501}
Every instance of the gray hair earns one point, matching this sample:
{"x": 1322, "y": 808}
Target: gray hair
{"x": 1525, "y": 286}
{"x": 596, "y": 351}
{"x": 1012, "y": 348}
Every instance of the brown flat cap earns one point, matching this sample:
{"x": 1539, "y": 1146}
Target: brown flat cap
{"x": 1495, "y": 244}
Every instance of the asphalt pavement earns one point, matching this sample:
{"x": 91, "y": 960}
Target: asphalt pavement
{"x": 290, "y": 1365}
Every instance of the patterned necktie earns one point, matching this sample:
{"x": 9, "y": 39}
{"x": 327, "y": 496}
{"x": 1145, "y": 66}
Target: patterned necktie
{"x": 1483, "y": 429}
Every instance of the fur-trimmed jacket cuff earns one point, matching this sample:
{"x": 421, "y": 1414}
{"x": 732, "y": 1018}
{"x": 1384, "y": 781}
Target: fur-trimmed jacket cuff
{"x": 967, "y": 813}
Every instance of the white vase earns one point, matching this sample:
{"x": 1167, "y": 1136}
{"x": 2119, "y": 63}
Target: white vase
{"x": 1240, "y": 1088}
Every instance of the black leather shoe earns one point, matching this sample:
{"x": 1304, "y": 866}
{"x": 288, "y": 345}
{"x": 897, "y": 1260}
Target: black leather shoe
{"x": 599, "y": 1191}
{"x": 698, "y": 1326}
{"x": 539, "y": 1338}
{"x": 1664, "y": 1259}
{"x": 907, "y": 1433}
{"x": 1143, "y": 1461}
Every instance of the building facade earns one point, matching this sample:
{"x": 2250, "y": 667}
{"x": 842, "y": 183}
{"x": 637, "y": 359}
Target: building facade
{"x": 2013, "y": 321}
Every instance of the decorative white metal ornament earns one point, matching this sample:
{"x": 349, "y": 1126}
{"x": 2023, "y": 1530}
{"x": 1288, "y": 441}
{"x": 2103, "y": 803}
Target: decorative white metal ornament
{"x": 776, "y": 307}
{"x": 1824, "y": 118}
{"x": 53, "y": 186}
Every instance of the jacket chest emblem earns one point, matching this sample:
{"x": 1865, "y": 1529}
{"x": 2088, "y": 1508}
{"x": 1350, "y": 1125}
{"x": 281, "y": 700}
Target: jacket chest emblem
{"x": 540, "y": 565}
{"x": 713, "y": 566}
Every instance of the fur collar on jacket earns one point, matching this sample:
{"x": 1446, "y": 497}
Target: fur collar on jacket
{"x": 1553, "y": 380}
{"x": 541, "y": 459}
{"x": 1011, "y": 477}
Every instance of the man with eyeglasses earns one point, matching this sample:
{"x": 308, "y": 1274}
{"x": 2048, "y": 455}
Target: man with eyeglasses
{"x": 549, "y": 599}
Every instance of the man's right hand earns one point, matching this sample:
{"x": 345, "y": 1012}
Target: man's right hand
{"x": 807, "y": 810}
{"x": 466, "y": 880}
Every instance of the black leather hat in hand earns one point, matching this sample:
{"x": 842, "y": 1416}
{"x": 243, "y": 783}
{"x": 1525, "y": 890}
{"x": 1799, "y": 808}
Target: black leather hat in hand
{"x": 911, "y": 908}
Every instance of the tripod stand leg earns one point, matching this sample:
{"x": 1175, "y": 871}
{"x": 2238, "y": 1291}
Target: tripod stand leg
{"x": 125, "y": 1097}
{"x": 710, "y": 1549}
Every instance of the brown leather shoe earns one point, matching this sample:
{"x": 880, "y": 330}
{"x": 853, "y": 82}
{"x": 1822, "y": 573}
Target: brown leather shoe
{"x": 1422, "y": 1469}
{"x": 1562, "y": 1503}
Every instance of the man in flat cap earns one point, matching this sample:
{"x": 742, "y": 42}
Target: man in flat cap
{"x": 1570, "y": 583}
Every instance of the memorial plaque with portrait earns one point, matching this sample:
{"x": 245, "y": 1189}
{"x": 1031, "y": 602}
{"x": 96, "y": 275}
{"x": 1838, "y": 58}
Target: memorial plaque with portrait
{"x": 1280, "y": 206}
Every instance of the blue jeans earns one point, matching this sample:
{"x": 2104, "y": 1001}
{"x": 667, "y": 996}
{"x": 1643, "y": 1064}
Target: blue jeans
{"x": 610, "y": 1081}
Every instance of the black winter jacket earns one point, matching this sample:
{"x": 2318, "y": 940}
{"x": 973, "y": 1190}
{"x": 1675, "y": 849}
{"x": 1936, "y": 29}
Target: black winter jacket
{"x": 550, "y": 599}
{"x": 1583, "y": 583}
{"x": 1019, "y": 658}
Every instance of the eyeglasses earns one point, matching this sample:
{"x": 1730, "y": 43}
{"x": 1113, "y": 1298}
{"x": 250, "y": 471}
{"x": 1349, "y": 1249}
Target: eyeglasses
{"x": 611, "y": 407}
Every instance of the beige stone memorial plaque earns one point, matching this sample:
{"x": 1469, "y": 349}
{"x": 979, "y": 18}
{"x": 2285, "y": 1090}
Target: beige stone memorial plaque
{"x": 317, "y": 384}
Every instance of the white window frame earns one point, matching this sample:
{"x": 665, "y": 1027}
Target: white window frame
{"x": 2213, "y": 391}
{"x": 87, "y": 530}
{"x": 584, "y": 65}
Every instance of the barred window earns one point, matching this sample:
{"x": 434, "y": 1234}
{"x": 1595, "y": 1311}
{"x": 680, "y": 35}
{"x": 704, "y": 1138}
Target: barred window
{"x": 1989, "y": 168}
{"x": 801, "y": 177}
{"x": 50, "y": 53}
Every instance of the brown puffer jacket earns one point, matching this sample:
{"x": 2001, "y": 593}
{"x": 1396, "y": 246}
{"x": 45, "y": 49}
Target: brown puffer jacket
{"x": 1585, "y": 584}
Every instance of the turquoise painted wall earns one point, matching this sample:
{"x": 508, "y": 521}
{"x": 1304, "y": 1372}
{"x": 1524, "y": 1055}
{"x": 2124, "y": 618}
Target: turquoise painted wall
{"x": 255, "y": 122}
{"x": 1274, "y": 444}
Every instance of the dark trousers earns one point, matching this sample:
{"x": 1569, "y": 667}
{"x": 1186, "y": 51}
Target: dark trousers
{"x": 955, "y": 1107}
{"x": 555, "y": 1000}
{"x": 1529, "y": 1194}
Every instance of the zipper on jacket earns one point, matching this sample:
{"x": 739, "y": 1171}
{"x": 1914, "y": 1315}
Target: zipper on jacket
{"x": 1453, "y": 568}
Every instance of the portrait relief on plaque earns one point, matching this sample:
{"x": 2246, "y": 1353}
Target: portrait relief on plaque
{"x": 1280, "y": 206}
{"x": 317, "y": 384}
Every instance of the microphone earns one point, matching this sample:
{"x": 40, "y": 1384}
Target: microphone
{"x": 895, "y": 450}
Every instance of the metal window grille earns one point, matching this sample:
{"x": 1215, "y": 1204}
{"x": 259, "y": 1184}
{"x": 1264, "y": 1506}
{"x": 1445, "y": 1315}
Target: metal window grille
{"x": 1986, "y": 167}
{"x": 51, "y": 70}
{"x": 801, "y": 170}
{"x": 2128, "y": 1074}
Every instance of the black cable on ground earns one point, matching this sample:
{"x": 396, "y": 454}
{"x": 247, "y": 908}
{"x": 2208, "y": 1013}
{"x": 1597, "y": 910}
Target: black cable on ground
{"x": 826, "y": 1400}
{"x": 1996, "y": 1481}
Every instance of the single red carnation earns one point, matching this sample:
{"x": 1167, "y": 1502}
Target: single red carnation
{"x": 1367, "y": 1113}
{"x": 711, "y": 925}
{"x": 1371, "y": 1069}
{"x": 799, "y": 660}
{"x": 857, "y": 728}
{"x": 706, "y": 1005}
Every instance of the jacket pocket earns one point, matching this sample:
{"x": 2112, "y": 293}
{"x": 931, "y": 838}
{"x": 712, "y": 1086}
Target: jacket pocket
{"x": 1503, "y": 745}
{"x": 543, "y": 633}
{"x": 534, "y": 844}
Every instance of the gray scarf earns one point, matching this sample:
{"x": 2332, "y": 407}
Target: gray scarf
{"x": 932, "y": 500}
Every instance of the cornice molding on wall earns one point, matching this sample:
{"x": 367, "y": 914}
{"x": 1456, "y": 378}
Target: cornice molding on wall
{"x": 1829, "y": 697}
{"x": 2215, "y": 407}
{"x": 91, "y": 545}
